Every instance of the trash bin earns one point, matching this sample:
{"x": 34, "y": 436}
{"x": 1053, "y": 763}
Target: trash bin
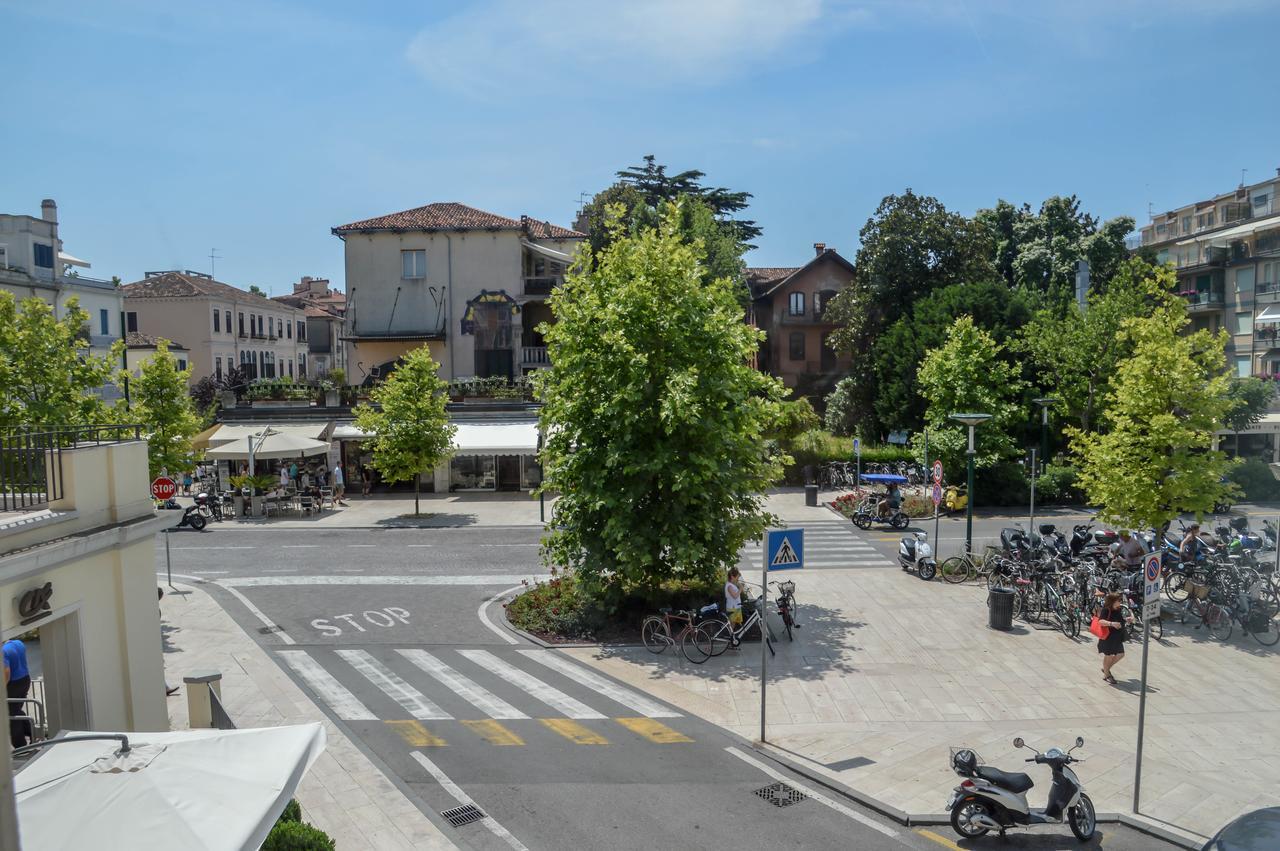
{"x": 1000, "y": 608}
{"x": 810, "y": 474}
{"x": 811, "y": 495}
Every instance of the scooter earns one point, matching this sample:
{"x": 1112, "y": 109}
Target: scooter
{"x": 991, "y": 799}
{"x": 914, "y": 553}
{"x": 193, "y": 516}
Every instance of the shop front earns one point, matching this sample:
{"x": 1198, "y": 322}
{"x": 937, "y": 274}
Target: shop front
{"x": 492, "y": 456}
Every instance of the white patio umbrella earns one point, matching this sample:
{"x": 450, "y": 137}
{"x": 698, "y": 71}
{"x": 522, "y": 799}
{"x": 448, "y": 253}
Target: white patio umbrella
{"x": 193, "y": 789}
{"x": 272, "y": 444}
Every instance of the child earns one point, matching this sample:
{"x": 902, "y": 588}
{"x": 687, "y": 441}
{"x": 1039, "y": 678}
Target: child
{"x": 733, "y": 597}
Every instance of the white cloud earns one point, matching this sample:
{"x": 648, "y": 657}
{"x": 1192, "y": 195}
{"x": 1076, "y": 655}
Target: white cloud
{"x": 565, "y": 46}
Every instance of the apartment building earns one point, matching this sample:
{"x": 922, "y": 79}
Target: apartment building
{"x": 789, "y": 304}
{"x": 1226, "y": 250}
{"x": 468, "y": 284}
{"x": 325, "y": 309}
{"x": 34, "y": 264}
{"x": 222, "y": 327}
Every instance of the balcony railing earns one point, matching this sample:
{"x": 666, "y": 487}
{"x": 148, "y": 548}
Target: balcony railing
{"x": 541, "y": 285}
{"x": 1203, "y": 299}
{"x": 31, "y": 460}
{"x": 1267, "y": 335}
{"x": 533, "y": 355}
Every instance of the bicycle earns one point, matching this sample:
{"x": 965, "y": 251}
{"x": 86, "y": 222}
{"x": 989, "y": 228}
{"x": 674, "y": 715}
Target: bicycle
{"x": 786, "y": 603}
{"x": 715, "y": 637}
{"x": 656, "y": 630}
{"x": 966, "y": 566}
{"x": 1203, "y": 606}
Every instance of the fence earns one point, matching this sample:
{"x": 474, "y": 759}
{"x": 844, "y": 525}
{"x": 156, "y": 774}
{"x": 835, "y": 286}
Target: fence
{"x": 31, "y": 460}
{"x": 218, "y": 712}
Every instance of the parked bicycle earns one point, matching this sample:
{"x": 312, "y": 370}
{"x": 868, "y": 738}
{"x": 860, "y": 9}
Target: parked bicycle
{"x": 669, "y": 627}
{"x": 786, "y": 605}
{"x": 716, "y": 636}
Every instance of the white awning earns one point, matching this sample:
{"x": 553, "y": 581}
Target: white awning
{"x": 1269, "y": 424}
{"x": 1271, "y": 314}
{"x": 70, "y": 260}
{"x": 1224, "y": 236}
{"x": 558, "y": 256}
{"x": 349, "y": 432}
{"x": 518, "y": 438}
{"x": 238, "y": 432}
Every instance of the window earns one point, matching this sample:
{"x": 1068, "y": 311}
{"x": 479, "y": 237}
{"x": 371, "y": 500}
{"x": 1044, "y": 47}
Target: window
{"x": 131, "y": 321}
{"x": 217, "y": 321}
{"x": 1244, "y": 280}
{"x": 1242, "y": 366}
{"x": 280, "y": 328}
{"x": 217, "y": 368}
{"x": 302, "y": 366}
{"x": 104, "y": 322}
{"x": 288, "y": 330}
{"x": 182, "y": 364}
{"x": 241, "y": 324}
{"x": 797, "y": 305}
{"x": 228, "y": 321}
{"x": 1204, "y": 220}
{"x": 44, "y": 255}
{"x": 1260, "y": 203}
{"x": 291, "y": 369}
{"x": 1244, "y": 323}
{"x": 821, "y": 301}
{"x": 302, "y": 331}
{"x": 413, "y": 264}
{"x": 796, "y": 345}
{"x": 1268, "y": 272}
{"x": 1186, "y": 224}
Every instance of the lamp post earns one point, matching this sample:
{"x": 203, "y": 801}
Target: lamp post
{"x": 1045, "y": 403}
{"x": 972, "y": 421}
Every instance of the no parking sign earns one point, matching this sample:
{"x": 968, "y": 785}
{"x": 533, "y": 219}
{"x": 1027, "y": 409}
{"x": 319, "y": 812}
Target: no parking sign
{"x": 1151, "y": 586}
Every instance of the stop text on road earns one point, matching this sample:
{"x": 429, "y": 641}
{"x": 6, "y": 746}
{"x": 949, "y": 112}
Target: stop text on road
{"x": 163, "y": 488}
{"x": 384, "y": 618}
{"x": 784, "y": 549}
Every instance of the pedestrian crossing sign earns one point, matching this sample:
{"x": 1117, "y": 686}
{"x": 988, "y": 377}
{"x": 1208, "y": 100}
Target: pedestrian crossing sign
{"x": 784, "y": 549}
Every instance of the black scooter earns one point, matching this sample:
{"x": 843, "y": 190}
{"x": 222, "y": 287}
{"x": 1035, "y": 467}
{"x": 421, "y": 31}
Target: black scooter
{"x": 194, "y": 515}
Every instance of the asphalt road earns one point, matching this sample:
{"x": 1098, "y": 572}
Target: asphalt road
{"x": 392, "y": 633}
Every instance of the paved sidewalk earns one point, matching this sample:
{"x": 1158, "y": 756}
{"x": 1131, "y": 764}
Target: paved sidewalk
{"x": 887, "y": 672}
{"x": 395, "y": 510}
{"x": 344, "y": 794}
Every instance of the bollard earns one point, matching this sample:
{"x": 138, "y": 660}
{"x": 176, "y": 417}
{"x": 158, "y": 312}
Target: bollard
{"x": 199, "y": 706}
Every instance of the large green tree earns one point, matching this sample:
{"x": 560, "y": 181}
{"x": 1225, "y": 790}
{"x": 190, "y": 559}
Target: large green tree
{"x": 970, "y": 373}
{"x": 1153, "y": 461}
{"x": 655, "y": 420}
{"x": 410, "y": 425}
{"x": 161, "y": 403}
{"x": 47, "y": 375}
{"x": 1077, "y": 352}
{"x": 1249, "y": 399}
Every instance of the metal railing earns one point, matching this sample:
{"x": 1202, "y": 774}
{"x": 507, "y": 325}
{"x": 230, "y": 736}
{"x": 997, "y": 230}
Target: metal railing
{"x": 542, "y": 285}
{"x": 218, "y": 713}
{"x": 31, "y": 460}
{"x": 534, "y": 354}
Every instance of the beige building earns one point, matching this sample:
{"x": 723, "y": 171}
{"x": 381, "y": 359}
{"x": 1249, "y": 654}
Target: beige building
{"x": 325, "y": 309}
{"x": 140, "y": 347}
{"x": 470, "y": 285}
{"x": 221, "y": 326}
{"x": 77, "y": 563}
{"x": 34, "y": 264}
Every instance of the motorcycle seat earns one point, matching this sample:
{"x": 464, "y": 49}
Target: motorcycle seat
{"x": 1017, "y": 783}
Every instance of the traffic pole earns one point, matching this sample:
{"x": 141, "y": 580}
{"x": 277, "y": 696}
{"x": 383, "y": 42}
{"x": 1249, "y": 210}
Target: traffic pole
{"x": 764, "y": 644}
{"x": 1031, "y": 525}
{"x": 1142, "y": 711}
{"x": 168, "y": 564}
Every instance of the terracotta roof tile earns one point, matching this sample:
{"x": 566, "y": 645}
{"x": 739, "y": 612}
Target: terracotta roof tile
{"x": 761, "y": 278}
{"x": 138, "y": 340}
{"x": 183, "y": 285}
{"x": 450, "y": 215}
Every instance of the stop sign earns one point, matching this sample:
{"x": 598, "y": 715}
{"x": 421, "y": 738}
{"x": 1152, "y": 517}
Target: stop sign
{"x": 164, "y": 488}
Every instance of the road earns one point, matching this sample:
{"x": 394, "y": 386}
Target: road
{"x": 393, "y": 634}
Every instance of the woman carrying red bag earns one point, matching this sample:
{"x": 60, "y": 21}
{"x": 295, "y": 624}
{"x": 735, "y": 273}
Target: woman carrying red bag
{"x": 1111, "y": 619}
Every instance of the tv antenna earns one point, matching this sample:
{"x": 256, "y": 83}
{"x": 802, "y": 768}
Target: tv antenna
{"x": 213, "y": 263}
{"x": 1243, "y": 172}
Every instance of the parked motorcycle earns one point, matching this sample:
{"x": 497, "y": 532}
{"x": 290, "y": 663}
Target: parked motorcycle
{"x": 990, "y": 799}
{"x": 914, "y": 553}
{"x": 956, "y": 498}
{"x": 194, "y": 516}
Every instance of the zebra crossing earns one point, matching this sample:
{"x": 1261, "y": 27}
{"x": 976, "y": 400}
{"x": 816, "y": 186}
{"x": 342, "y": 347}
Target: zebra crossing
{"x": 502, "y": 696}
{"x": 828, "y": 544}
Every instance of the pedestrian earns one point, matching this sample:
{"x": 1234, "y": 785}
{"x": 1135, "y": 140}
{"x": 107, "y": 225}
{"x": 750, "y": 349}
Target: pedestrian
{"x": 338, "y": 490}
{"x": 306, "y": 480}
{"x": 1113, "y": 617}
{"x": 17, "y": 683}
{"x": 733, "y": 596}
{"x": 1189, "y": 550}
{"x": 293, "y": 471}
{"x": 186, "y": 483}
{"x": 284, "y": 477}
{"x": 366, "y": 481}
{"x": 1128, "y": 552}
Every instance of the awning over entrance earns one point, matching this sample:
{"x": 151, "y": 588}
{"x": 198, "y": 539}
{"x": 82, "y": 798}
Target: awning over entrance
{"x": 349, "y": 431}
{"x": 232, "y": 433}
{"x": 550, "y": 253}
{"x": 1269, "y": 424}
{"x": 510, "y": 438}
{"x": 1271, "y": 314}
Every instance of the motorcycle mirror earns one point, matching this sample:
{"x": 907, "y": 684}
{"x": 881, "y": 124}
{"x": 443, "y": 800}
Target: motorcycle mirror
{"x": 1018, "y": 743}
{"x": 1079, "y": 741}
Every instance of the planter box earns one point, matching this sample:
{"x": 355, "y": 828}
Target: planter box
{"x": 281, "y": 403}
{"x": 331, "y": 399}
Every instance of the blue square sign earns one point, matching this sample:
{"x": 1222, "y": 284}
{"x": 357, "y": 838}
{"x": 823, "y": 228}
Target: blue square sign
{"x": 784, "y": 549}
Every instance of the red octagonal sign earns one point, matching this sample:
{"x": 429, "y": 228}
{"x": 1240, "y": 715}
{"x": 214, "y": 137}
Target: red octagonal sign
{"x": 164, "y": 488}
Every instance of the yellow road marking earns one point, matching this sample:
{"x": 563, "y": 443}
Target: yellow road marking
{"x": 415, "y": 735}
{"x": 493, "y": 732}
{"x": 654, "y": 731}
{"x": 573, "y": 731}
{"x": 941, "y": 840}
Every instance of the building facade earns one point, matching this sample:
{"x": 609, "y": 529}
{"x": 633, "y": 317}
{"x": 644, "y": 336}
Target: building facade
{"x": 141, "y": 347}
{"x": 470, "y": 285}
{"x": 33, "y": 264}
{"x": 222, "y": 327}
{"x": 789, "y": 304}
{"x": 325, "y": 309}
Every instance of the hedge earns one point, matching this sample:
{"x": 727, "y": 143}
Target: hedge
{"x": 818, "y": 447}
{"x": 1255, "y": 480}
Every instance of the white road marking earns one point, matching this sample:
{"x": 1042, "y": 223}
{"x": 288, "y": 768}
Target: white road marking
{"x": 553, "y": 697}
{"x": 344, "y": 704}
{"x": 463, "y": 798}
{"x": 476, "y": 579}
{"x": 812, "y": 793}
{"x": 361, "y": 546}
{"x": 483, "y": 614}
{"x": 300, "y": 547}
{"x": 210, "y": 572}
{"x": 618, "y": 694}
{"x": 275, "y": 627}
{"x": 469, "y": 690}
{"x": 510, "y": 545}
{"x": 412, "y": 546}
{"x": 409, "y": 698}
{"x": 213, "y": 547}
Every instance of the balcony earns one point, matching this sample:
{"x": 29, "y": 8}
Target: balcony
{"x": 1266, "y": 336}
{"x": 534, "y": 356}
{"x": 1267, "y": 292}
{"x": 542, "y": 285}
{"x": 1201, "y": 300}
{"x": 243, "y": 335}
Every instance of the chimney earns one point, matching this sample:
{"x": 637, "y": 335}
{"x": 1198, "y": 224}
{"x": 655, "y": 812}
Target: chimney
{"x": 49, "y": 210}
{"x": 818, "y": 248}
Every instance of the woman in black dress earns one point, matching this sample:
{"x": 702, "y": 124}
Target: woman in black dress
{"x": 1111, "y": 615}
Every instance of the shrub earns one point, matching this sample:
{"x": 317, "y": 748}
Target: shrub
{"x": 798, "y": 418}
{"x": 1255, "y": 480}
{"x": 819, "y": 447}
{"x": 841, "y": 416}
{"x": 292, "y": 811}
{"x": 1002, "y": 484}
{"x": 556, "y": 608}
{"x": 296, "y": 836}
{"x": 1057, "y": 484}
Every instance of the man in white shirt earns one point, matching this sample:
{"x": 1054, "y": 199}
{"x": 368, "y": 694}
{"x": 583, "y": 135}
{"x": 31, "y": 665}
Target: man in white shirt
{"x": 339, "y": 490}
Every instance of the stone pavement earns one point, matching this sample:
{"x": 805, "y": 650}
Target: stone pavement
{"x": 344, "y": 793}
{"x": 887, "y": 672}
{"x": 389, "y": 510}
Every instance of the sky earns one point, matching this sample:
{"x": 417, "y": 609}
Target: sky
{"x": 165, "y": 130}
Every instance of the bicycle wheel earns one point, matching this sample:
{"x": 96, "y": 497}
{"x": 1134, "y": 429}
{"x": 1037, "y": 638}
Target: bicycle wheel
{"x": 786, "y": 620}
{"x": 654, "y": 634}
{"x": 690, "y": 647}
{"x": 1069, "y": 622}
{"x": 1219, "y": 620}
{"x": 714, "y": 637}
{"x": 1033, "y": 605}
{"x": 1175, "y": 586}
{"x": 1269, "y": 636}
{"x": 955, "y": 569}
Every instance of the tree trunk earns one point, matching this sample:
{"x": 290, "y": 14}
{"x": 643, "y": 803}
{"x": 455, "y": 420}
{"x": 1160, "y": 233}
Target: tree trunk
{"x": 416, "y": 477}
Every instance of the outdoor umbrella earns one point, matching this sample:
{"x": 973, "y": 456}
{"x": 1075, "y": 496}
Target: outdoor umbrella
{"x": 273, "y": 445}
{"x": 193, "y": 789}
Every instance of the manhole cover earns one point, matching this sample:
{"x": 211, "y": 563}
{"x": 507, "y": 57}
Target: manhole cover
{"x": 458, "y": 816}
{"x": 268, "y": 630}
{"x": 781, "y": 795}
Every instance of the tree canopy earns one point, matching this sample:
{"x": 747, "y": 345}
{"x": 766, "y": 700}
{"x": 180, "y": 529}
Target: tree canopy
{"x": 161, "y": 403}
{"x": 411, "y": 429}
{"x": 1248, "y": 399}
{"x": 655, "y": 421}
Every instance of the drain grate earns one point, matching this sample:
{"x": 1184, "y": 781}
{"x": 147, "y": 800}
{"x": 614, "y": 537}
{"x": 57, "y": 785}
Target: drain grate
{"x": 781, "y": 795}
{"x": 466, "y": 814}
{"x": 268, "y": 630}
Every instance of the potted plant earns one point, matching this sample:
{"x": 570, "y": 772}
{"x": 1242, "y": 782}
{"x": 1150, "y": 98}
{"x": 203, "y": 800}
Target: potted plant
{"x": 253, "y": 487}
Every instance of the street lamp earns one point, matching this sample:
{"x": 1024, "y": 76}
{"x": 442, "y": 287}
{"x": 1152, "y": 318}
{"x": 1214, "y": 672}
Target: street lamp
{"x": 1045, "y": 403}
{"x": 972, "y": 421}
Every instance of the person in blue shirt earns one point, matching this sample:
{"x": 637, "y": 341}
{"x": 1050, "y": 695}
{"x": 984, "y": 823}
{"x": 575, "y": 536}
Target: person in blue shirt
{"x": 17, "y": 683}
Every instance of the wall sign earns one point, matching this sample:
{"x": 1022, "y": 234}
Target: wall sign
{"x": 34, "y": 604}
{"x": 486, "y": 297}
